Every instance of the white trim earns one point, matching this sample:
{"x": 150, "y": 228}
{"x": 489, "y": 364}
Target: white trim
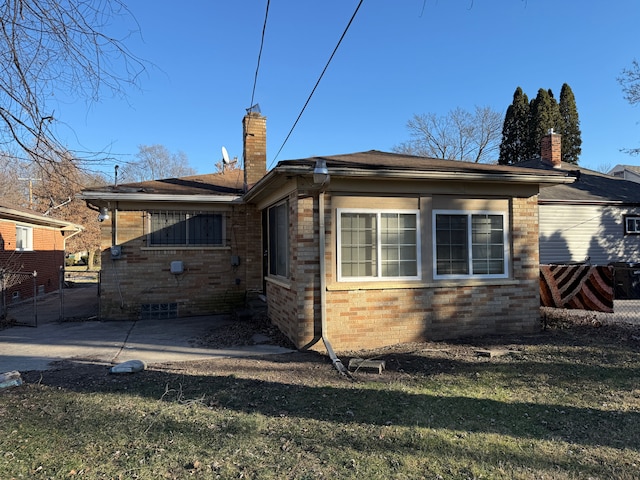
{"x": 378, "y": 212}
{"x": 636, "y": 219}
{"x": 469, "y": 214}
{"x": 158, "y": 197}
{"x": 28, "y": 238}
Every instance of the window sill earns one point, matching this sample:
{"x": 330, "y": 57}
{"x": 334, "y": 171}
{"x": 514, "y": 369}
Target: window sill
{"x": 183, "y": 247}
{"x": 279, "y": 281}
{"x": 386, "y": 285}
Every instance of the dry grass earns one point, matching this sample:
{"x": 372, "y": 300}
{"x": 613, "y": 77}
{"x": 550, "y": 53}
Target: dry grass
{"x": 563, "y": 404}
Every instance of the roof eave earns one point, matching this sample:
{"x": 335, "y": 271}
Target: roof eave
{"x": 35, "y": 219}
{"x": 293, "y": 170}
{"x": 157, "y": 197}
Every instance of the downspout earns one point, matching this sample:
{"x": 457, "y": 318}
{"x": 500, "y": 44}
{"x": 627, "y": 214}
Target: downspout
{"x": 323, "y": 287}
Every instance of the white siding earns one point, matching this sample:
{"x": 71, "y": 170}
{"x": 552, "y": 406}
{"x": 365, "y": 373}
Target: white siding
{"x": 570, "y": 233}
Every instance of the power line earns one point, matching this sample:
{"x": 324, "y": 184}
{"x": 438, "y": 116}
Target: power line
{"x": 255, "y": 79}
{"x": 319, "y": 78}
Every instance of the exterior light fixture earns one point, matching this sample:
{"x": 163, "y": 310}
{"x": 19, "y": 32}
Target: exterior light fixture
{"x": 320, "y": 172}
{"x": 103, "y": 215}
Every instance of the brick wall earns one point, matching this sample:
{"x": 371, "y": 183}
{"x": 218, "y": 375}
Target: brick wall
{"x": 209, "y": 284}
{"x": 254, "y": 127}
{"x": 46, "y": 259}
{"x": 370, "y": 318}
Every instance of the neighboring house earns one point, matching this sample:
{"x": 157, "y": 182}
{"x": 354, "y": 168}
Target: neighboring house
{"x": 365, "y": 250}
{"x": 30, "y": 242}
{"x": 626, "y": 172}
{"x": 594, "y": 219}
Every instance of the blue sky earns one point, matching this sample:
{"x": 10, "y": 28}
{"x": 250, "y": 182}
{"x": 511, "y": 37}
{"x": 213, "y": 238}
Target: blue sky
{"x": 399, "y": 58}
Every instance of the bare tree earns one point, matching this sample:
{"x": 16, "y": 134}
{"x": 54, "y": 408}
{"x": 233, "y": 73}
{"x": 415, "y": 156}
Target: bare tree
{"x": 54, "y": 194}
{"x": 156, "y": 162}
{"x": 630, "y": 82}
{"x": 460, "y": 135}
{"x": 55, "y": 47}
{"x": 15, "y": 181}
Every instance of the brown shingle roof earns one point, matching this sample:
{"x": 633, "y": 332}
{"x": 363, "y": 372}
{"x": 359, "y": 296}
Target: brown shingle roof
{"x": 228, "y": 183}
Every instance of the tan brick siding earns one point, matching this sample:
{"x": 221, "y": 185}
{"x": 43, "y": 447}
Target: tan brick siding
{"x": 370, "y": 318}
{"x": 209, "y": 284}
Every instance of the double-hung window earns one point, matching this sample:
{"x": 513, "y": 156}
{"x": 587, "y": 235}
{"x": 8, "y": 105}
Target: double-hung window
{"x": 278, "y": 234}
{"x": 378, "y": 245}
{"x": 632, "y": 225}
{"x": 24, "y": 238}
{"x": 470, "y": 244}
{"x": 175, "y": 228}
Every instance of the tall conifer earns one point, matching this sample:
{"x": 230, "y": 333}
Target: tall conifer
{"x": 570, "y": 126}
{"x": 545, "y": 115}
{"x": 515, "y": 131}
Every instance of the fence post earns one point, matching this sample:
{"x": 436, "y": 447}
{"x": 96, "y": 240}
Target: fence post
{"x": 61, "y": 291}
{"x": 3, "y": 300}
{"x": 35, "y": 297}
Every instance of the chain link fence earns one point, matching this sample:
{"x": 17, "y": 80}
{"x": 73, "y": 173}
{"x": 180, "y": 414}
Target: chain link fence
{"x": 19, "y": 298}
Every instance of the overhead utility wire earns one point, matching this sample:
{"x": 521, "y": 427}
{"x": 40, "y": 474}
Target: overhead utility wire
{"x": 320, "y": 78}
{"x": 255, "y": 79}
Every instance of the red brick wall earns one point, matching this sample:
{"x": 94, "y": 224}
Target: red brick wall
{"x": 46, "y": 259}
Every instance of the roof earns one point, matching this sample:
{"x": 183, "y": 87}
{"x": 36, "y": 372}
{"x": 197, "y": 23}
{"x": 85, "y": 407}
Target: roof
{"x": 20, "y": 214}
{"x": 590, "y": 186}
{"x": 228, "y": 186}
{"x": 385, "y": 165}
{"x": 223, "y": 186}
{"x": 630, "y": 168}
{"x": 385, "y": 161}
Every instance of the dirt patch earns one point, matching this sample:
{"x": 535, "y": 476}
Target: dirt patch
{"x": 312, "y": 368}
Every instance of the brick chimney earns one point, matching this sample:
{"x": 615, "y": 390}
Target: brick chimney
{"x": 254, "y": 134}
{"x": 551, "y": 149}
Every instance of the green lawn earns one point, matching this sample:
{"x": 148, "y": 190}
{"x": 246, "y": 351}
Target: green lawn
{"x": 562, "y": 405}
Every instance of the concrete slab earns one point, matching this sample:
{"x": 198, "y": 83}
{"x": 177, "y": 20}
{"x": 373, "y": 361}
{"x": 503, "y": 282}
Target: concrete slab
{"x": 152, "y": 341}
{"x": 24, "y": 348}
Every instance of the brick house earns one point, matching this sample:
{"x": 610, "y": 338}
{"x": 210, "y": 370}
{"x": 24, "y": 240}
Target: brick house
{"x": 30, "y": 242}
{"x": 365, "y": 249}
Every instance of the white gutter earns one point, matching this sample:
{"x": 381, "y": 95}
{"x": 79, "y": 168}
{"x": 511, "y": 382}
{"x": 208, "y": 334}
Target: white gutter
{"x": 158, "y": 197}
{"x": 323, "y": 288}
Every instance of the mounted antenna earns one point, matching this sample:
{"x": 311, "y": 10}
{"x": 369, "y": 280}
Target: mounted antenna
{"x": 225, "y": 158}
{"x": 254, "y": 108}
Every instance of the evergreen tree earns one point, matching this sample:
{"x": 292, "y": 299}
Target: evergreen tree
{"x": 525, "y": 124}
{"x": 545, "y": 115}
{"x": 515, "y": 131}
{"x": 570, "y": 126}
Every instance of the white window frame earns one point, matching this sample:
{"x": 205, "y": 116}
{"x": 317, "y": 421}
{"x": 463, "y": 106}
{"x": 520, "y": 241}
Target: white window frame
{"x": 24, "y": 238}
{"x": 378, "y": 277}
{"x": 469, "y": 214}
{"x": 635, "y": 221}
{"x": 278, "y": 241}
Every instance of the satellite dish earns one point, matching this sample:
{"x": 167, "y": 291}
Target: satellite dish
{"x": 225, "y": 156}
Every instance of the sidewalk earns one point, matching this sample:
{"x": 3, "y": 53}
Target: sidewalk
{"x": 24, "y": 348}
